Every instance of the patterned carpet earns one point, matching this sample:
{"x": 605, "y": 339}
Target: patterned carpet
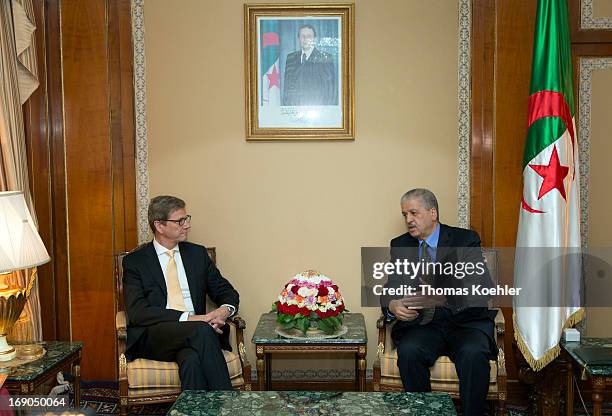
{"x": 103, "y": 399}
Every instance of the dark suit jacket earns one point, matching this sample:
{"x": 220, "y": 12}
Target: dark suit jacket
{"x": 145, "y": 293}
{"x": 310, "y": 83}
{"x": 450, "y": 249}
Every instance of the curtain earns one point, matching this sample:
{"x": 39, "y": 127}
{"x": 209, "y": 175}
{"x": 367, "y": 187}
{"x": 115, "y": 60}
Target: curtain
{"x": 18, "y": 79}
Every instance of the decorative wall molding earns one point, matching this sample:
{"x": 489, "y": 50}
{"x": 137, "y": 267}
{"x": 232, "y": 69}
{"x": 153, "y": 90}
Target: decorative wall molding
{"x": 587, "y": 66}
{"x": 464, "y": 112}
{"x": 140, "y": 95}
{"x": 588, "y": 22}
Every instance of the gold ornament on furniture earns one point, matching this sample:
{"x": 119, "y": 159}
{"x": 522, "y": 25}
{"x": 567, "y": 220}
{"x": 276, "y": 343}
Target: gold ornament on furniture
{"x": 20, "y": 248}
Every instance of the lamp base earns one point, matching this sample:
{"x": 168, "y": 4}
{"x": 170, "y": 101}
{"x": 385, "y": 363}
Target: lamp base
{"x": 7, "y": 352}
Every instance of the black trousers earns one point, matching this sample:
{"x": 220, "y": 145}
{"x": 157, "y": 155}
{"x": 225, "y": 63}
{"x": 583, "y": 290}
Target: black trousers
{"x": 420, "y": 346}
{"x": 194, "y": 346}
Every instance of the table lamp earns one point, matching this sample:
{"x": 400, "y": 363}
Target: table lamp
{"x": 20, "y": 248}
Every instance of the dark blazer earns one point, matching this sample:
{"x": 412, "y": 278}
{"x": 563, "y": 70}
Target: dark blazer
{"x": 145, "y": 293}
{"x": 312, "y": 82}
{"x": 449, "y": 250}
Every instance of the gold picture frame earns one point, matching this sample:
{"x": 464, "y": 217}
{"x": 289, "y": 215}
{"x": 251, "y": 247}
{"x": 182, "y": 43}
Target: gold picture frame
{"x": 299, "y": 71}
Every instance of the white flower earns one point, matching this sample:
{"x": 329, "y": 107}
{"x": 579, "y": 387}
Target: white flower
{"x": 304, "y": 292}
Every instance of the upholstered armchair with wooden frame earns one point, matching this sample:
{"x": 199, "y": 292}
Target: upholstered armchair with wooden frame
{"x": 147, "y": 381}
{"x": 386, "y": 376}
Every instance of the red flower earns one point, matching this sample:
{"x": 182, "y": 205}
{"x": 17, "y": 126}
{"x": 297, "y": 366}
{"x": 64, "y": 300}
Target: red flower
{"x": 295, "y": 289}
{"x": 323, "y": 291}
{"x": 292, "y": 310}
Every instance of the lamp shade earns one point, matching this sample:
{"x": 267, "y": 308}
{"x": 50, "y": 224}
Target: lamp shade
{"x": 20, "y": 245}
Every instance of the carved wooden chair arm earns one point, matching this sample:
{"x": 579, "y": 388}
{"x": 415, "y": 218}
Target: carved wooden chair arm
{"x": 238, "y": 322}
{"x": 121, "y": 325}
{"x": 500, "y": 323}
{"x": 380, "y": 323}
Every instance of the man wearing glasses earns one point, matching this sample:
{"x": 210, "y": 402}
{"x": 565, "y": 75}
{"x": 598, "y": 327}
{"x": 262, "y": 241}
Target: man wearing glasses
{"x": 165, "y": 286}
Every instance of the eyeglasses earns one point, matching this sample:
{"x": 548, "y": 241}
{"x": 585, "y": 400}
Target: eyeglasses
{"x": 181, "y": 221}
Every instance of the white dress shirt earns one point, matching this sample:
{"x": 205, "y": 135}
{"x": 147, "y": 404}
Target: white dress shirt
{"x": 307, "y": 53}
{"x": 182, "y": 277}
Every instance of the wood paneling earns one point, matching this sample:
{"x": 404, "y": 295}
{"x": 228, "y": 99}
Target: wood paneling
{"x": 37, "y": 144}
{"x": 43, "y": 118}
{"x": 80, "y": 140}
{"x": 58, "y": 173}
{"x": 513, "y": 74}
{"x": 483, "y": 90}
{"x": 88, "y": 176}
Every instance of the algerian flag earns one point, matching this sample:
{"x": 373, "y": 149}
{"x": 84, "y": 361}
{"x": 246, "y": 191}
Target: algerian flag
{"x": 549, "y": 227}
{"x": 270, "y": 52}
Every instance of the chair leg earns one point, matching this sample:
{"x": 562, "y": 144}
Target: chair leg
{"x": 501, "y": 407}
{"x": 123, "y": 409}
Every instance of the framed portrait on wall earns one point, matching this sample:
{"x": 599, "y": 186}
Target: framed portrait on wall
{"x": 299, "y": 71}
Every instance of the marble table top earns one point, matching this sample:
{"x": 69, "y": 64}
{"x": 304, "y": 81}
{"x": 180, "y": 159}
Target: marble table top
{"x": 301, "y": 403}
{"x": 594, "y": 370}
{"x": 265, "y": 332}
{"x": 57, "y": 351}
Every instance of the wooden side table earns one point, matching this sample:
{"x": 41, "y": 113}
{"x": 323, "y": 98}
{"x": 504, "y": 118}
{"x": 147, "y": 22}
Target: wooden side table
{"x": 267, "y": 342}
{"x": 30, "y": 378}
{"x": 600, "y": 375}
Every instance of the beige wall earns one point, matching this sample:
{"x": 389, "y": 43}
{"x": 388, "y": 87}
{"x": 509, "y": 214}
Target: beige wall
{"x": 600, "y": 178}
{"x": 602, "y": 8}
{"x": 276, "y": 209}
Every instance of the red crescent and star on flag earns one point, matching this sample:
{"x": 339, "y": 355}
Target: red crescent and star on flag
{"x": 550, "y": 104}
{"x": 272, "y": 39}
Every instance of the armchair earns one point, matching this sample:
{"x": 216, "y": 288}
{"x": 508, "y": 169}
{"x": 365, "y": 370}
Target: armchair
{"x": 386, "y": 376}
{"x": 143, "y": 381}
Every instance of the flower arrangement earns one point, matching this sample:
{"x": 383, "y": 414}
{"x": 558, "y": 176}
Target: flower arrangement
{"x": 310, "y": 300}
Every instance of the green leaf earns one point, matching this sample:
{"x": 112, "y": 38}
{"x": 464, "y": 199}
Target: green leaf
{"x": 289, "y": 325}
{"x": 302, "y": 324}
{"x": 337, "y": 323}
{"x": 325, "y": 326}
{"x": 313, "y": 315}
{"x": 274, "y": 309}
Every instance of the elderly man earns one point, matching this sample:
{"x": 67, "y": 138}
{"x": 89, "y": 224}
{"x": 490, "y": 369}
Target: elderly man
{"x": 428, "y": 327}
{"x": 165, "y": 286}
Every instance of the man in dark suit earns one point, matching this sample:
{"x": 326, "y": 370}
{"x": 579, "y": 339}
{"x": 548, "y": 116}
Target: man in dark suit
{"x": 428, "y": 326}
{"x": 165, "y": 286}
{"x": 310, "y": 76}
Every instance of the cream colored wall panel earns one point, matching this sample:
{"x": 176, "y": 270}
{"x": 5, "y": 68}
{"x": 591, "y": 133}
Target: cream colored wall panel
{"x": 600, "y": 178}
{"x": 276, "y": 209}
{"x": 602, "y": 8}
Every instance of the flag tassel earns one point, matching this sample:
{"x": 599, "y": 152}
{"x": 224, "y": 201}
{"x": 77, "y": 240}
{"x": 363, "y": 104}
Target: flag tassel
{"x": 548, "y": 357}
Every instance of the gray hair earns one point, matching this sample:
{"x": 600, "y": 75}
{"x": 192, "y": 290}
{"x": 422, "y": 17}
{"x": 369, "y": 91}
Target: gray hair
{"x": 161, "y": 207}
{"x": 426, "y": 196}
